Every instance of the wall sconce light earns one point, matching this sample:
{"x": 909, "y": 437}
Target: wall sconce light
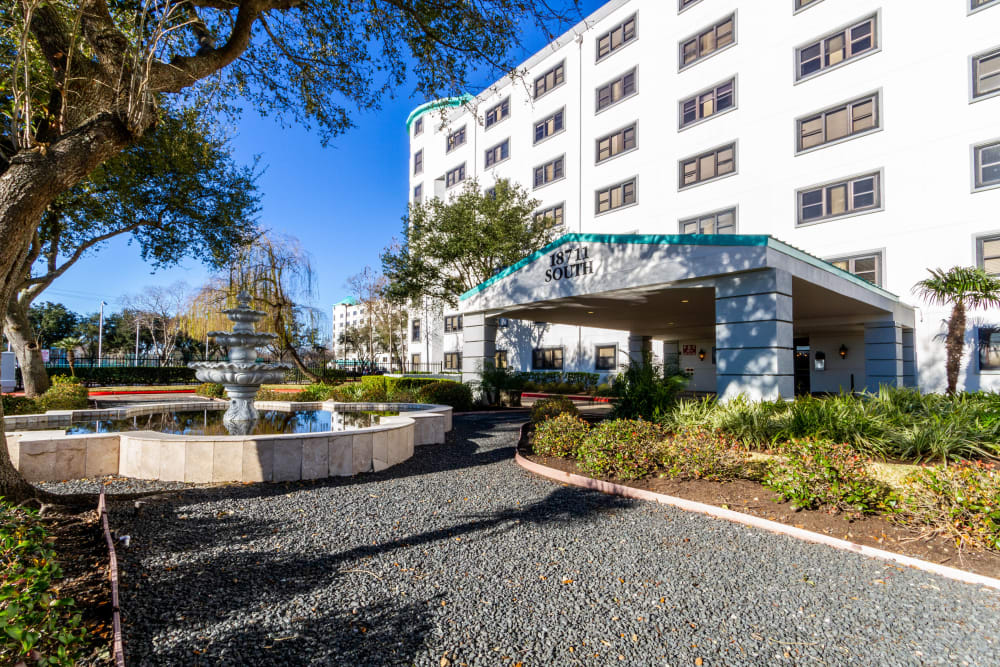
{"x": 843, "y": 351}
{"x": 701, "y": 355}
{"x": 820, "y": 360}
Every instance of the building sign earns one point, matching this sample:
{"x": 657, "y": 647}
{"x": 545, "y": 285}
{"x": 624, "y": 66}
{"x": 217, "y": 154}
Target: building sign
{"x": 569, "y": 263}
{"x": 689, "y": 350}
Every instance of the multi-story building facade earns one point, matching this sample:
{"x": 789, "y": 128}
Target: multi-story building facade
{"x": 346, "y": 314}
{"x": 864, "y": 132}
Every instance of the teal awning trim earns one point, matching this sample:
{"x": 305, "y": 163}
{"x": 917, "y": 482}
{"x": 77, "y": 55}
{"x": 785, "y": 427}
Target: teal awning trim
{"x": 436, "y": 104}
{"x": 680, "y": 239}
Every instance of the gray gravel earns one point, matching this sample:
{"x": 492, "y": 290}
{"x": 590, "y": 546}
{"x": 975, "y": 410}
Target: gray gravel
{"x": 460, "y": 557}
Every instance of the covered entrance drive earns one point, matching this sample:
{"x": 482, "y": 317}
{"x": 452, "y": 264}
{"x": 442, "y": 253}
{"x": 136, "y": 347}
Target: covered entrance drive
{"x": 753, "y": 299}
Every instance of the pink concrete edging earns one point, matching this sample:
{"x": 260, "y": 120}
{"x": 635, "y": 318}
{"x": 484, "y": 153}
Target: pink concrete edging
{"x": 755, "y": 522}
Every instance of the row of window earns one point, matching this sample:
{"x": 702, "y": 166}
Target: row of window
{"x": 543, "y": 358}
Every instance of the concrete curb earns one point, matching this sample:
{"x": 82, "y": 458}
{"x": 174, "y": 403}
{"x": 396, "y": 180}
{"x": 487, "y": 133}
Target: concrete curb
{"x": 755, "y": 522}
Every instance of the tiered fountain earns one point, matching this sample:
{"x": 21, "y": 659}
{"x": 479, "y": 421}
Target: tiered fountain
{"x": 241, "y": 375}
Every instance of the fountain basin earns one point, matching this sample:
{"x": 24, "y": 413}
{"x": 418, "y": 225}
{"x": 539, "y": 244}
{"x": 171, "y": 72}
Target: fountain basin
{"x": 50, "y": 455}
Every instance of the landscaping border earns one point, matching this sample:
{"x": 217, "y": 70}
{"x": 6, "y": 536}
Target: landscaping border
{"x": 117, "y": 645}
{"x": 747, "y": 520}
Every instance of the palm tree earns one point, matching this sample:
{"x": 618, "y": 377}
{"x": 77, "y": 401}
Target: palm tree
{"x": 69, "y": 345}
{"x": 961, "y": 287}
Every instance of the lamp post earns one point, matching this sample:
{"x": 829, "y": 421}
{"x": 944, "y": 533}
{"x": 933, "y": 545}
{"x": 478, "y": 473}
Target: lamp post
{"x": 100, "y": 336}
{"x": 137, "y": 341}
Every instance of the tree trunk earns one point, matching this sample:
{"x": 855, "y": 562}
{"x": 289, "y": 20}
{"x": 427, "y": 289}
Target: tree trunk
{"x": 955, "y": 345}
{"x": 29, "y": 356}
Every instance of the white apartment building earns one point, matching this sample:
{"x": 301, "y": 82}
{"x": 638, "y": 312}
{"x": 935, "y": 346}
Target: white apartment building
{"x": 742, "y": 140}
{"x": 346, "y": 314}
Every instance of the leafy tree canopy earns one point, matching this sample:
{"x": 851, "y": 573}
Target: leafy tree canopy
{"x": 52, "y": 322}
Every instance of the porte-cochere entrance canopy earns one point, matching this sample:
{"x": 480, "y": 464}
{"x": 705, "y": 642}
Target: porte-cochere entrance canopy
{"x": 753, "y": 295}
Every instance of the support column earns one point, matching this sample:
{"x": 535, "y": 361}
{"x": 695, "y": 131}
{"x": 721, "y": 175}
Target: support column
{"x": 753, "y": 336}
{"x": 909, "y": 359}
{"x": 884, "y": 354}
{"x": 479, "y": 344}
{"x": 639, "y": 347}
{"x": 671, "y": 357}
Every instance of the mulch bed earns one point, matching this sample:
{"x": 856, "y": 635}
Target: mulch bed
{"x": 752, "y": 498}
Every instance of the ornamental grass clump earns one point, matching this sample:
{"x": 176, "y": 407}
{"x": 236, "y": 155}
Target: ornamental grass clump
{"x": 560, "y": 436}
{"x": 697, "y": 453}
{"x": 818, "y": 473}
{"x": 622, "y": 448}
{"x": 961, "y": 500}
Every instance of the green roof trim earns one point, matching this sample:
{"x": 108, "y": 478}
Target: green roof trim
{"x": 349, "y": 301}
{"x": 436, "y": 104}
{"x": 680, "y": 239}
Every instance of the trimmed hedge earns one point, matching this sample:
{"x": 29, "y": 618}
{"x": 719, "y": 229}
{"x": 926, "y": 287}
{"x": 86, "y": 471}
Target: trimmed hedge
{"x": 447, "y": 392}
{"x": 391, "y": 385}
{"x": 129, "y": 375}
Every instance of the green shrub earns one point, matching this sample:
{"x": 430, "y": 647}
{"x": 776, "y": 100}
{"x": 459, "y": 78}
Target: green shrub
{"x": 19, "y": 405}
{"x": 211, "y": 390}
{"x": 559, "y": 436}
{"x": 446, "y": 392}
{"x": 622, "y": 448}
{"x": 961, "y": 500}
{"x": 129, "y": 375}
{"x": 582, "y": 381}
{"x": 529, "y": 385}
{"x": 381, "y": 385}
{"x": 824, "y": 473}
{"x": 66, "y": 393}
{"x": 548, "y": 408}
{"x": 604, "y": 389}
{"x": 333, "y": 375}
{"x": 697, "y": 453}
{"x": 644, "y": 392}
{"x": 315, "y": 392}
{"x": 36, "y": 626}
{"x": 272, "y": 395}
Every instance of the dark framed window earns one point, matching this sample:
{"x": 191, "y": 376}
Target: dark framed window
{"x": 707, "y": 166}
{"x": 989, "y": 349}
{"x": 418, "y": 126}
{"x": 988, "y": 254}
{"x": 986, "y": 163}
{"x": 833, "y": 200}
{"x": 553, "y": 213}
{"x": 491, "y": 192}
{"x": 606, "y": 358}
{"x": 548, "y": 358}
{"x": 980, "y": 4}
{"x": 617, "y": 90}
{"x": 684, "y": 4}
{"x": 552, "y": 79}
{"x": 418, "y": 193}
{"x": 616, "y": 38}
{"x": 707, "y": 103}
{"x": 867, "y": 266}
{"x": 500, "y": 359}
{"x": 986, "y": 74}
{"x": 452, "y": 323}
{"x": 616, "y": 143}
{"x": 838, "y": 122}
{"x": 498, "y": 153}
{"x": 415, "y": 331}
{"x": 551, "y": 171}
{"x": 455, "y": 139}
{"x": 708, "y": 41}
{"x": 415, "y": 359}
{"x": 418, "y": 162}
{"x": 718, "y": 222}
{"x": 498, "y": 113}
{"x": 802, "y": 4}
{"x": 455, "y": 176}
{"x": 836, "y": 48}
{"x": 616, "y": 196}
{"x": 549, "y": 126}
{"x": 453, "y": 361}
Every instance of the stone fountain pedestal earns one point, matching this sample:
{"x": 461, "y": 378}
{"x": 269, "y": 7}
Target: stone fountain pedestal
{"x": 241, "y": 375}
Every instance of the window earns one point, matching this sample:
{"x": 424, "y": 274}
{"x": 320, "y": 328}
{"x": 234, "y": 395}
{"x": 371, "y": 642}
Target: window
{"x": 415, "y": 360}
{"x": 415, "y": 331}
{"x": 554, "y": 213}
{"x": 719, "y": 222}
{"x": 551, "y": 125}
{"x": 455, "y": 176}
{"x": 839, "y": 122}
{"x": 616, "y": 91}
{"x": 418, "y": 127}
{"x": 500, "y": 359}
{"x": 705, "y": 167}
{"x": 498, "y": 113}
{"x": 554, "y": 78}
{"x": 802, "y": 4}
{"x": 708, "y": 41}
{"x": 615, "y": 197}
{"x": 498, "y": 153}
{"x": 708, "y": 103}
{"x": 616, "y": 38}
{"x": 989, "y": 349}
{"x": 841, "y": 198}
{"x": 491, "y": 192}
{"x": 550, "y": 171}
{"x": 550, "y": 358}
{"x": 868, "y": 267}
{"x": 987, "y": 165}
{"x": 988, "y": 254}
{"x": 615, "y": 144}
{"x": 418, "y": 193}
{"x": 836, "y": 48}
{"x": 986, "y": 74}
{"x": 606, "y": 358}
{"x": 453, "y": 361}
{"x": 452, "y": 323}
{"x": 455, "y": 139}
{"x": 684, "y": 4}
{"x": 418, "y": 162}
{"x": 980, "y": 4}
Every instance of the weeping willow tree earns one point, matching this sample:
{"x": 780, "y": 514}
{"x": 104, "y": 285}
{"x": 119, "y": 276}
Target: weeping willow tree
{"x": 277, "y": 272}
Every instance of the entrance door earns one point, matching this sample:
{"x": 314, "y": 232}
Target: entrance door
{"x": 802, "y": 386}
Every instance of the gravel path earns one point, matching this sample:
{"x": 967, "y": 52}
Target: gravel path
{"x": 460, "y": 557}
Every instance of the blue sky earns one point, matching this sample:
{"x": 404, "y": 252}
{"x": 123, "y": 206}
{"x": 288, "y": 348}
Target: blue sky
{"x": 343, "y": 202}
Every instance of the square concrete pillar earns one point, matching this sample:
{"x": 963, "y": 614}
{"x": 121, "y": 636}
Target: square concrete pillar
{"x": 909, "y": 359}
{"x": 884, "y": 363}
{"x": 639, "y": 347}
{"x": 479, "y": 344}
{"x": 753, "y": 336}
